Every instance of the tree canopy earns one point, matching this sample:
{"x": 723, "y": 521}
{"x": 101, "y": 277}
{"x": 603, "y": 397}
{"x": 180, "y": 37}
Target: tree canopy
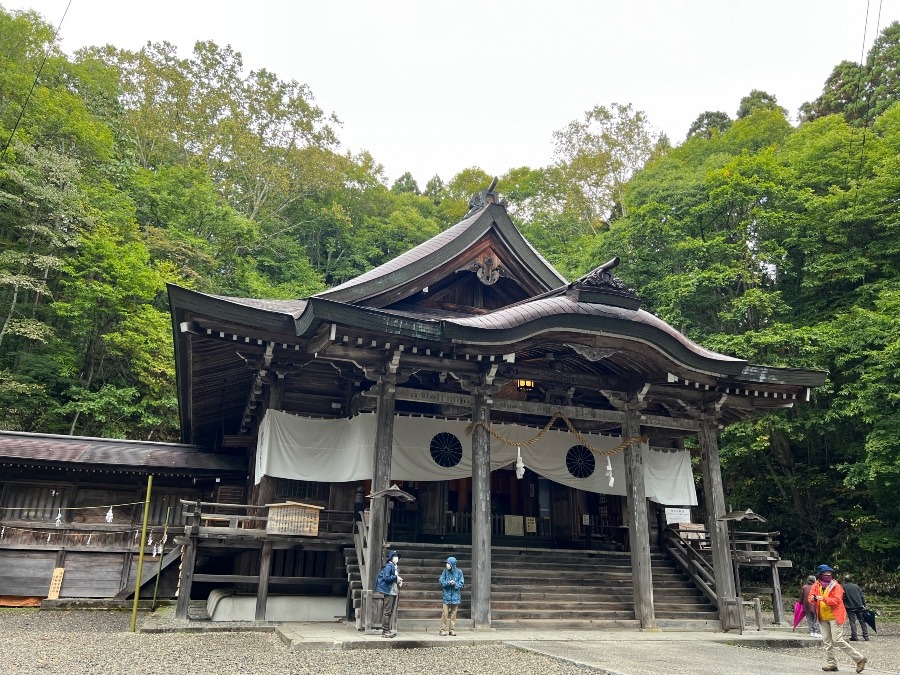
{"x": 768, "y": 241}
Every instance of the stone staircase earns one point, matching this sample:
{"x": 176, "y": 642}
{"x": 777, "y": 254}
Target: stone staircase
{"x": 543, "y": 588}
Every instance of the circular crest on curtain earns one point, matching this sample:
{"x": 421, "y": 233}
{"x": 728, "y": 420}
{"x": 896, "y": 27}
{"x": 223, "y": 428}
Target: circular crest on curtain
{"x": 446, "y": 450}
{"x": 580, "y": 461}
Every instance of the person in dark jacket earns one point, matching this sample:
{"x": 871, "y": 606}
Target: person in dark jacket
{"x": 388, "y": 583}
{"x": 855, "y": 603}
{"x": 809, "y": 608}
{"x": 452, "y": 581}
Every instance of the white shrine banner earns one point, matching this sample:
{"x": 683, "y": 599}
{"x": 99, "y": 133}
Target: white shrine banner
{"x": 340, "y": 450}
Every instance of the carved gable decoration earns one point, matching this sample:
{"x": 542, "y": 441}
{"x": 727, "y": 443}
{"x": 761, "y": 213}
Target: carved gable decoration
{"x": 601, "y": 287}
{"x": 481, "y": 199}
{"x": 487, "y": 267}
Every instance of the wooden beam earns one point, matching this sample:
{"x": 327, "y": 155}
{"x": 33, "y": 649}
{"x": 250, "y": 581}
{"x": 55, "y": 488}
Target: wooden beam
{"x": 540, "y": 409}
{"x": 169, "y": 558}
{"x": 662, "y": 422}
{"x": 548, "y": 375}
{"x": 374, "y": 357}
{"x": 547, "y": 410}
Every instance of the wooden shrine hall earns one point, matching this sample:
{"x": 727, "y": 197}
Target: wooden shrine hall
{"x": 509, "y": 401}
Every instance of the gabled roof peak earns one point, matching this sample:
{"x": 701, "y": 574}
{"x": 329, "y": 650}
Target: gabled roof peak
{"x": 486, "y": 197}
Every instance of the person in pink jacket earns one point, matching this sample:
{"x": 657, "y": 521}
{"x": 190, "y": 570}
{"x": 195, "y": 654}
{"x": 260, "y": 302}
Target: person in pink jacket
{"x": 828, "y": 597}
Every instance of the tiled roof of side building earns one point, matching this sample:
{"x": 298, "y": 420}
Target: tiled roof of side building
{"x": 125, "y": 455}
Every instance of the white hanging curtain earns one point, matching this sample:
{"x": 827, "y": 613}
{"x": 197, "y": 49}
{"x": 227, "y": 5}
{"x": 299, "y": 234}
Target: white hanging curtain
{"x": 341, "y": 450}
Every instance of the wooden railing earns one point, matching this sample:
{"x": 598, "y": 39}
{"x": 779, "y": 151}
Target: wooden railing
{"x": 688, "y": 545}
{"x": 755, "y": 546}
{"x": 697, "y": 566}
{"x": 250, "y": 516}
{"x": 360, "y": 543}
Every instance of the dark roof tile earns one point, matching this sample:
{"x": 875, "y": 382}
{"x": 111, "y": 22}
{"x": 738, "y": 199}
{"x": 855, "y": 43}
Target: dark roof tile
{"x": 165, "y": 457}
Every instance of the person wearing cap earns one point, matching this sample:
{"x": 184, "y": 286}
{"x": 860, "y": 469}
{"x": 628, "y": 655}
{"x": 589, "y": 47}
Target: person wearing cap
{"x": 388, "y": 583}
{"x": 452, "y": 581}
{"x": 828, "y": 597}
{"x": 809, "y": 608}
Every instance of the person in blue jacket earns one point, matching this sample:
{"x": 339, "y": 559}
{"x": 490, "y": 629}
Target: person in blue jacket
{"x": 452, "y": 581}
{"x": 388, "y": 583}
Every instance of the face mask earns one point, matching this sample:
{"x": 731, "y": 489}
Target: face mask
{"x": 826, "y": 579}
{"x": 449, "y": 566}
{"x": 395, "y": 560}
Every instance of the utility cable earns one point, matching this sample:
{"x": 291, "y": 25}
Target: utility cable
{"x": 862, "y": 149}
{"x": 34, "y": 84}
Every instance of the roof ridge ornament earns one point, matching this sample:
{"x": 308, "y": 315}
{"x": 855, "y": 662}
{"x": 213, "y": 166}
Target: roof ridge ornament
{"x": 599, "y": 286}
{"x": 481, "y": 199}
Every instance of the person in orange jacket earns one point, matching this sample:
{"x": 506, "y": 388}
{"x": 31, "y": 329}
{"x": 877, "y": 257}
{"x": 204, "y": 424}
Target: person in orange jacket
{"x": 827, "y": 596}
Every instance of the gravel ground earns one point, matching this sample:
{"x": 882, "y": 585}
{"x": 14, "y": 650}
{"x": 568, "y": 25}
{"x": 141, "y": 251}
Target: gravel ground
{"x": 99, "y": 643}
{"x": 882, "y": 650}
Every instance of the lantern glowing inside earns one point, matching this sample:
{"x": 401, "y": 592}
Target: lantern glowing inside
{"x": 524, "y": 385}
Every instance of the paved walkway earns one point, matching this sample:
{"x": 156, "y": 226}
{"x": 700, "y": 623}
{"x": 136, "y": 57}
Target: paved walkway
{"x": 614, "y": 651}
{"x": 617, "y": 652}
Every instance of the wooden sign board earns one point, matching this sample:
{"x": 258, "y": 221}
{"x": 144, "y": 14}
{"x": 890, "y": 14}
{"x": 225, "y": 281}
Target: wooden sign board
{"x": 293, "y": 518}
{"x": 56, "y": 583}
{"x": 531, "y": 524}
{"x": 677, "y": 515}
{"x": 513, "y": 526}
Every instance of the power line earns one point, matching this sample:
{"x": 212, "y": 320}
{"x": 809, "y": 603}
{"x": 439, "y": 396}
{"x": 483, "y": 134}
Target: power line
{"x": 862, "y": 150}
{"x": 34, "y": 84}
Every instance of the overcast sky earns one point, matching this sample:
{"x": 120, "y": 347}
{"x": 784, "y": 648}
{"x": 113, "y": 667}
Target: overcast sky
{"x": 433, "y": 87}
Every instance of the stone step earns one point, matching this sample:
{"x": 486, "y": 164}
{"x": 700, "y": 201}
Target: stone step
{"x": 597, "y": 575}
{"x": 551, "y": 625}
{"x": 586, "y": 614}
{"x": 540, "y": 590}
{"x": 505, "y": 553}
{"x": 588, "y": 588}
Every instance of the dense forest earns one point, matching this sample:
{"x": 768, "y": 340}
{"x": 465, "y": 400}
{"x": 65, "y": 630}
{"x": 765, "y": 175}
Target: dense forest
{"x": 121, "y": 171}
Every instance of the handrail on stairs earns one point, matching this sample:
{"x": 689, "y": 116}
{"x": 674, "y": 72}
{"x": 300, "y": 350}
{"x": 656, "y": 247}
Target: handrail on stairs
{"x": 360, "y": 541}
{"x": 698, "y": 568}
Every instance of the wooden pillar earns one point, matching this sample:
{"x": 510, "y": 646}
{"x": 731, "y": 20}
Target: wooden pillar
{"x": 638, "y": 523}
{"x": 262, "y": 590}
{"x": 187, "y": 579}
{"x": 481, "y": 513}
{"x": 777, "y": 601}
{"x": 188, "y": 560}
{"x": 730, "y": 611}
{"x": 381, "y": 476}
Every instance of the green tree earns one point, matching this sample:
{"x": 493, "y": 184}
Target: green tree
{"x": 406, "y": 183}
{"x": 709, "y": 123}
{"x": 757, "y": 99}
{"x": 598, "y": 154}
{"x": 862, "y": 93}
